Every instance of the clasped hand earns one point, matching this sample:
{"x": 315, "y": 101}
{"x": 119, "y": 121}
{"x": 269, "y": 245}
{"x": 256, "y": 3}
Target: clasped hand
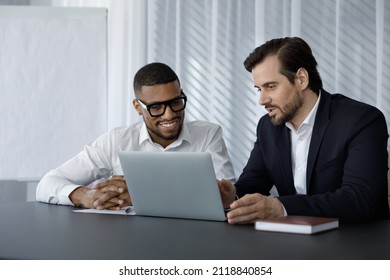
{"x": 111, "y": 194}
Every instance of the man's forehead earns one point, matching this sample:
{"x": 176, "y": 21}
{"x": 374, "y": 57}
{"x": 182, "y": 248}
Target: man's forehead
{"x": 160, "y": 92}
{"x": 266, "y": 72}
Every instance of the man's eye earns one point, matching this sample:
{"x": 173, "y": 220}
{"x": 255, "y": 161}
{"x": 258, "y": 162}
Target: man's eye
{"x": 176, "y": 102}
{"x": 156, "y": 107}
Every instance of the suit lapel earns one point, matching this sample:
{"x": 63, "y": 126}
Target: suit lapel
{"x": 320, "y": 125}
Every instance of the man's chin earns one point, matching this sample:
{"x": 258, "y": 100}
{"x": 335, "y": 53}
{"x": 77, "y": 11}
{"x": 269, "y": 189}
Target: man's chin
{"x": 169, "y": 136}
{"x": 275, "y": 121}
{"x": 172, "y": 135}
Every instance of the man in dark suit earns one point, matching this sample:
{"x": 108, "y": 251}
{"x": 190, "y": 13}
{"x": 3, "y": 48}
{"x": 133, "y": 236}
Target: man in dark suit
{"x": 325, "y": 154}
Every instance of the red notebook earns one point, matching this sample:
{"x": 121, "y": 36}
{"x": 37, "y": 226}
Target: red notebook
{"x": 297, "y": 224}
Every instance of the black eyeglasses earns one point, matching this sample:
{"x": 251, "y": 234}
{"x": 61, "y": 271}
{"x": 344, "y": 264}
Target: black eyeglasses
{"x": 157, "y": 109}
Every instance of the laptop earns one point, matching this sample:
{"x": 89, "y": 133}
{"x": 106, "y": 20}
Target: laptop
{"x": 173, "y": 184}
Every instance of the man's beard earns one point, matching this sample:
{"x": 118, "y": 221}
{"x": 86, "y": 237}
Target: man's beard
{"x": 290, "y": 110}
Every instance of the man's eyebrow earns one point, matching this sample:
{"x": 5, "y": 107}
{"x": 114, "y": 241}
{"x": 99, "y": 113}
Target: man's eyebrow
{"x": 266, "y": 84}
{"x": 269, "y": 83}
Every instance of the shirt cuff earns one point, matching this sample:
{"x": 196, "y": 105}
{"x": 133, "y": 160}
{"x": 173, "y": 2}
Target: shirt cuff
{"x": 63, "y": 197}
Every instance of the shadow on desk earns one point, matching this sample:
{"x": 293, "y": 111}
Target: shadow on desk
{"x": 33, "y": 230}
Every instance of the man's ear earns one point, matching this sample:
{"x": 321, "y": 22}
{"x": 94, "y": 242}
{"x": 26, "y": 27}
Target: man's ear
{"x": 302, "y": 78}
{"x": 137, "y": 107}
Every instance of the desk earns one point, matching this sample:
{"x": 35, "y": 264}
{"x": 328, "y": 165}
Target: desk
{"x": 34, "y": 230}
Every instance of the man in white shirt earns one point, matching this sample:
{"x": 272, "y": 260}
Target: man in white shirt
{"x": 94, "y": 177}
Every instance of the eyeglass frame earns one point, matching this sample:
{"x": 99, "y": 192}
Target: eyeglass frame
{"x": 165, "y": 103}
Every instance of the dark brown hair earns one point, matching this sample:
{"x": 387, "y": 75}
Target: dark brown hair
{"x": 293, "y": 53}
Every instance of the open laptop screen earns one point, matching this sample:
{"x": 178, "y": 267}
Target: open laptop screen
{"x": 173, "y": 184}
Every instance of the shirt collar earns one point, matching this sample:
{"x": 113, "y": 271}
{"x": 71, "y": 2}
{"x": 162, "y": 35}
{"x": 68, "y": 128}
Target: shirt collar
{"x": 184, "y": 136}
{"x": 143, "y": 134}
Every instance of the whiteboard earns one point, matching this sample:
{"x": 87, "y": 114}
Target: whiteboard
{"x": 53, "y": 86}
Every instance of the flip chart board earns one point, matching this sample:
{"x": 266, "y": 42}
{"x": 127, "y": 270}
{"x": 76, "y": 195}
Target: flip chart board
{"x": 53, "y": 86}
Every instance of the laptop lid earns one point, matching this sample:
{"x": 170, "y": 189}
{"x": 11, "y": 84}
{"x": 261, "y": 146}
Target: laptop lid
{"x": 173, "y": 184}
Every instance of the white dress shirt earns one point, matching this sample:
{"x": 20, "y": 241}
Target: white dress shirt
{"x": 300, "y": 142}
{"x": 99, "y": 160}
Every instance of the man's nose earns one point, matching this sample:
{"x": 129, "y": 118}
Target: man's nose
{"x": 264, "y": 98}
{"x": 168, "y": 112}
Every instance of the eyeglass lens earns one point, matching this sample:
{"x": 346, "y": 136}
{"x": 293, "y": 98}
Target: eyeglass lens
{"x": 176, "y": 105}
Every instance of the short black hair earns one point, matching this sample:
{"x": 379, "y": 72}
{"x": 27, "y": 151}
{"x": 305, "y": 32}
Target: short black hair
{"x": 151, "y": 74}
{"x": 293, "y": 53}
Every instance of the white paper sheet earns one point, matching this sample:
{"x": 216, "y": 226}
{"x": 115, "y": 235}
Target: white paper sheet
{"x": 124, "y": 211}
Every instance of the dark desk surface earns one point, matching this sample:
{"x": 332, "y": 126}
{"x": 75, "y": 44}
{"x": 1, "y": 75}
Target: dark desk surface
{"x": 34, "y": 230}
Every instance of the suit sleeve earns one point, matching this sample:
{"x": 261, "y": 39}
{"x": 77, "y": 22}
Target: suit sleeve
{"x": 255, "y": 177}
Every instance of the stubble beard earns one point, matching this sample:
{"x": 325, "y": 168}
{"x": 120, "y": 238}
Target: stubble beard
{"x": 157, "y": 134}
{"x": 288, "y": 111}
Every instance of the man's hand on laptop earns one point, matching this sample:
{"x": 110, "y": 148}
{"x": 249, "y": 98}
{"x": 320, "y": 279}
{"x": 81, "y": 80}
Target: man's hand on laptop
{"x": 249, "y": 208}
{"x": 227, "y": 191}
{"x": 252, "y": 207}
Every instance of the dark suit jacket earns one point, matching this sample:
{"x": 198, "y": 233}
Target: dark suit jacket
{"x": 346, "y": 168}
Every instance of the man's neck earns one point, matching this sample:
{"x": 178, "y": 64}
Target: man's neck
{"x": 310, "y": 100}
